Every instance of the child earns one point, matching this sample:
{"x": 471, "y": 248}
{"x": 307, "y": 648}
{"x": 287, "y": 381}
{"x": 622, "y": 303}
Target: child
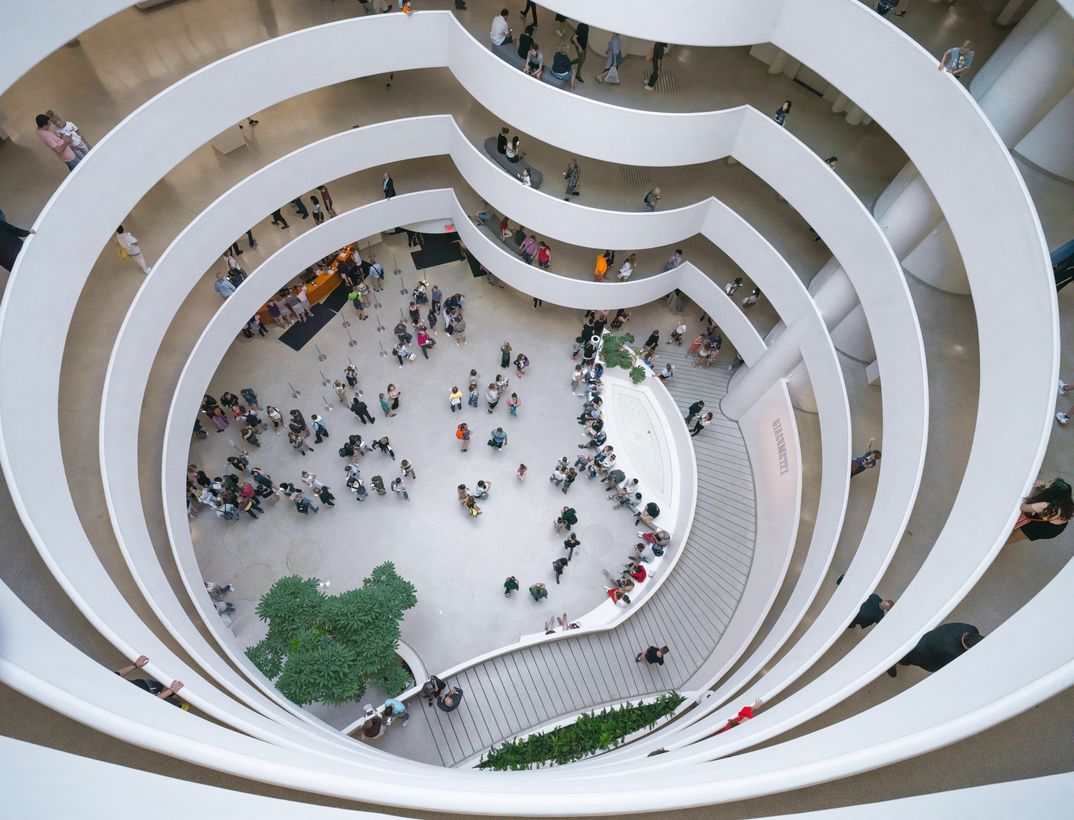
{"x": 521, "y": 472}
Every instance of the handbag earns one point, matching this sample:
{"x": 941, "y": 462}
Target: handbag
{"x": 412, "y": 356}
{"x": 123, "y": 253}
{"x": 612, "y": 77}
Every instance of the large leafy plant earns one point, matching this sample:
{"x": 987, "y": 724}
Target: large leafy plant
{"x": 590, "y": 733}
{"x": 615, "y": 353}
{"x": 329, "y": 648}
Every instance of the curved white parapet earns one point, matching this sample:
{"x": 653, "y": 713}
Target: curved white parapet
{"x": 111, "y": 145}
{"x": 996, "y": 230}
{"x": 143, "y": 330}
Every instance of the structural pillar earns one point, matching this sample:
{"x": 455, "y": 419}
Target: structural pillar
{"x": 776, "y": 363}
{"x": 779, "y": 62}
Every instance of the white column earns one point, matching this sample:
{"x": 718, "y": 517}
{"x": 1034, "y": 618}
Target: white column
{"x": 1007, "y": 14}
{"x": 779, "y": 62}
{"x": 855, "y": 116}
{"x": 840, "y": 104}
{"x": 776, "y": 363}
{"x": 907, "y": 211}
{"x": 1035, "y": 81}
{"x": 1013, "y": 43}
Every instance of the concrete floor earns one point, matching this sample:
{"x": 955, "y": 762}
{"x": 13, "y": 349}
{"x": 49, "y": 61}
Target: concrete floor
{"x": 130, "y": 57}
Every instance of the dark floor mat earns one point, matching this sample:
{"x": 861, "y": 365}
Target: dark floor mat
{"x": 299, "y": 334}
{"x": 432, "y": 256}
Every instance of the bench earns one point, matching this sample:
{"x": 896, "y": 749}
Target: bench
{"x": 513, "y": 168}
{"x": 508, "y": 52}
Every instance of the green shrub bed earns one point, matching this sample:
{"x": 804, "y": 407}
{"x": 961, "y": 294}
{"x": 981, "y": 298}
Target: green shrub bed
{"x": 591, "y": 732}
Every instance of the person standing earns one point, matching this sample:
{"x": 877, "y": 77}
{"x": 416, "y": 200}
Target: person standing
{"x": 510, "y": 585}
{"x": 957, "y": 60}
{"x": 558, "y": 566}
{"x": 463, "y": 433}
{"x": 570, "y": 545}
{"x": 538, "y": 591}
{"x": 573, "y": 176}
{"x": 60, "y": 146}
{"x": 653, "y": 655}
{"x": 866, "y": 461}
{"x": 300, "y": 207}
{"x": 513, "y": 403}
{"x": 394, "y": 708}
{"x": 388, "y": 186}
{"x": 505, "y": 354}
{"x": 318, "y": 214}
{"x": 702, "y": 423}
{"x": 568, "y": 517}
{"x": 385, "y": 406}
{"x": 459, "y": 330}
{"x": 455, "y": 399}
{"x": 492, "y": 397}
{"x": 129, "y": 248}
{"x": 782, "y": 112}
{"x": 627, "y": 268}
{"x": 650, "y": 199}
{"x": 399, "y": 487}
{"x": 940, "y": 646}
{"x": 376, "y": 274}
{"x": 450, "y": 700}
{"x": 497, "y": 439}
{"x": 67, "y": 129}
{"x": 656, "y": 57}
{"x": 674, "y": 260}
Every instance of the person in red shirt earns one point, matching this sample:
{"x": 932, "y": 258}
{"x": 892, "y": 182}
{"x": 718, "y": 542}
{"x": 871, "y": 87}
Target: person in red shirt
{"x": 744, "y": 714}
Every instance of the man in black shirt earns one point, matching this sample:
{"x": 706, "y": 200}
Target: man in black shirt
{"x": 939, "y": 647}
{"x": 653, "y": 655}
{"x": 580, "y": 41}
{"x": 657, "y": 57}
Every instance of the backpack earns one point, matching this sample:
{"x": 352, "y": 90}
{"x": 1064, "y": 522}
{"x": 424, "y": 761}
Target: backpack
{"x": 459, "y": 433}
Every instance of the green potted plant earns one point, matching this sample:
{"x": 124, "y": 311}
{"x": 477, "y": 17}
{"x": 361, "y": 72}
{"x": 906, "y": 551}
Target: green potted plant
{"x": 615, "y": 353}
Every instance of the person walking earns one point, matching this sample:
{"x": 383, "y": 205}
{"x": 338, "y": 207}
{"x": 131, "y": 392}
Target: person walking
{"x": 361, "y": 410}
{"x": 573, "y": 176}
{"x": 558, "y": 566}
{"x": 571, "y": 544}
{"x": 656, "y": 57}
{"x": 702, "y": 423}
{"x": 277, "y": 219}
{"x": 613, "y": 58}
{"x": 521, "y": 472}
{"x": 694, "y": 411}
{"x": 388, "y": 186}
{"x": 940, "y": 646}
{"x": 497, "y": 439}
{"x": 463, "y": 433}
{"x": 653, "y": 655}
{"x": 1044, "y": 513}
{"x": 304, "y": 505}
{"x": 315, "y": 209}
{"x": 568, "y": 479}
{"x": 580, "y": 41}
{"x": 130, "y": 249}
{"x": 872, "y": 611}
{"x": 513, "y": 403}
{"x": 385, "y": 406}
{"x": 326, "y": 198}
{"x": 627, "y": 268}
{"x": 300, "y": 207}
{"x": 59, "y": 145}
{"x": 674, "y": 260}
{"x": 538, "y": 591}
{"x": 650, "y": 199}
{"x": 320, "y": 430}
{"x": 510, "y": 585}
